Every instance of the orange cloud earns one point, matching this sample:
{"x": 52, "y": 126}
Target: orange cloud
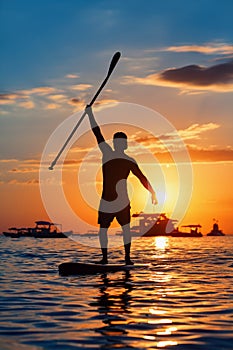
{"x": 76, "y": 101}
{"x": 160, "y": 145}
{"x": 10, "y": 98}
{"x": 105, "y": 103}
{"x": 81, "y": 87}
{"x": 6, "y": 102}
{"x": 52, "y": 106}
{"x": 208, "y": 49}
{"x": 28, "y": 182}
{"x": 24, "y": 170}
{"x": 218, "y": 77}
{"x": 72, "y": 76}
{"x": 195, "y": 130}
{"x": 41, "y": 91}
{"x": 57, "y": 97}
{"x": 22, "y": 97}
{"x": 27, "y": 104}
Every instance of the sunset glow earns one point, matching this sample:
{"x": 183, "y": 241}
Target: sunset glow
{"x": 178, "y": 77}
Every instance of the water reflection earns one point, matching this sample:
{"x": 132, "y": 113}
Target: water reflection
{"x": 128, "y": 317}
{"x": 183, "y": 301}
{"x": 161, "y": 243}
{"x": 113, "y": 305}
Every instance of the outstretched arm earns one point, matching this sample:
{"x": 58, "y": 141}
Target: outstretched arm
{"x": 95, "y": 127}
{"x": 145, "y": 182}
{"x": 96, "y": 130}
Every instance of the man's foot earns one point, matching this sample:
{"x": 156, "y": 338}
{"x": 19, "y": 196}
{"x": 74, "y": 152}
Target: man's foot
{"x": 129, "y": 262}
{"x": 102, "y": 262}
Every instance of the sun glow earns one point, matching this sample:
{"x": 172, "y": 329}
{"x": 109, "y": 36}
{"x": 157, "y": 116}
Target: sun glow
{"x": 161, "y": 242}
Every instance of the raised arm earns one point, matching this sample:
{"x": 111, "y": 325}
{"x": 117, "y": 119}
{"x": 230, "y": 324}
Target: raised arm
{"x": 96, "y": 130}
{"x": 144, "y": 181}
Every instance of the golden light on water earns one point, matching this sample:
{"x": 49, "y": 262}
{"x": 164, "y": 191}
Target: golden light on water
{"x": 155, "y": 311}
{"x": 149, "y": 337}
{"x": 161, "y": 242}
{"x": 160, "y": 321}
{"x": 163, "y": 344}
{"x": 167, "y": 331}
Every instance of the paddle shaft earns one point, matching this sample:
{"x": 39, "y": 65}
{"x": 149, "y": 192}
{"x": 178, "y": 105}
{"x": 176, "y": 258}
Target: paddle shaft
{"x": 113, "y": 63}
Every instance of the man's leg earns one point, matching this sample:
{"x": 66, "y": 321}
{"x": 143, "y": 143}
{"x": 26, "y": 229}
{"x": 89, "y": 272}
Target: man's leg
{"x": 127, "y": 243}
{"x": 103, "y": 238}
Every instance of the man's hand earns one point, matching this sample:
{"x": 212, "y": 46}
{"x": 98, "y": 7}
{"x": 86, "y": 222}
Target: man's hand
{"x": 88, "y": 110}
{"x": 153, "y": 198}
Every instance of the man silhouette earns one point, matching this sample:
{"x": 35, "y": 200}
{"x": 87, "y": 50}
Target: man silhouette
{"x": 116, "y": 166}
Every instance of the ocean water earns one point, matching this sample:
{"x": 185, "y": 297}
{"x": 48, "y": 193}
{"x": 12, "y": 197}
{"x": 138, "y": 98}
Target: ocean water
{"x": 184, "y": 300}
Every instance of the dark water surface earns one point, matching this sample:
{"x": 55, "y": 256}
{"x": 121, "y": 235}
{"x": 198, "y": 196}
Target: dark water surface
{"x": 183, "y": 301}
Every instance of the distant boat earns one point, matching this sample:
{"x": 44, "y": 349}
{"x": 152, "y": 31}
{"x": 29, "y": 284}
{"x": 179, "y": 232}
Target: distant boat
{"x": 43, "y": 229}
{"x": 193, "y": 231}
{"x": 15, "y": 232}
{"x": 215, "y": 231}
{"x": 151, "y": 225}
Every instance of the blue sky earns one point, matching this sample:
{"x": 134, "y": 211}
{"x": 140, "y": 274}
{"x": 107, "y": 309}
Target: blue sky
{"x": 42, "y": 40}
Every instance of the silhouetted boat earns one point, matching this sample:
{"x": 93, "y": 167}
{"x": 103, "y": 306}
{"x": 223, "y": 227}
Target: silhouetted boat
{"x": 193, "y": 231}
{"x": 215, "y": 231}
{"x": 151, "y": 225}
{"x": 43, "y": 229}
{"x": 15, "y": 232}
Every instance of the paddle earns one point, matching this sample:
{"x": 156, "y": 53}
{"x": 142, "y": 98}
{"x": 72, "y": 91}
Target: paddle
{"x": 113, "y": 64}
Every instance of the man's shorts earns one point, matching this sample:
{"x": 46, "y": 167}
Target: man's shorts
{"x": 123, "y": 217}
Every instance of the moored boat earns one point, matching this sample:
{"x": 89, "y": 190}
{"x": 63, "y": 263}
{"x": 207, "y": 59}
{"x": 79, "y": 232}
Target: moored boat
{"x": 151, "y": 225}
{"x": 215, "y": 231}
{"x": 43, "y": 229}
{"x": 189, "y": 231}
{"x": 15, "y": 232}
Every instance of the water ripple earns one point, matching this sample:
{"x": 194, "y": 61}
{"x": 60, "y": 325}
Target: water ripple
{"x": 183, "y": 300}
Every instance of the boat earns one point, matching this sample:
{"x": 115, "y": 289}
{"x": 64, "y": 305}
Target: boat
{"x": 42, "y": 229}
{"x": 190, "y": 231}
{"x": 215, "y": 231}
{"x": 15, "y": 232}
{"x": 151, "y": 225}
{"x": 46, "y": 229}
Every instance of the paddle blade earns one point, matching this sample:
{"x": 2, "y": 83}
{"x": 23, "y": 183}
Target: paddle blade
{"x": 113, "y": 63}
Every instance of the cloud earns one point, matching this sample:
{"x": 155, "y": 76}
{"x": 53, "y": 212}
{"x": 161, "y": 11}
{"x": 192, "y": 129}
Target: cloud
{"x": 52, "y": 106}
{"x": 6, "y": 102}
{"x": 105, "y": 103}
{"x": 208, "y": 155}
{"x": 195, "y": 130}
{"x": 81, "y": 87}
{"x": 215, "y": 78}
{"x": 41, "y": 91}
{"x": 8, "y": 160}
{"x": 28, "y": 182}
{"x": 162, "y": 145}
{"x": 22, "y": 99}
{"x": 208, "y": 49}
{"x": 13, "y": 98}
{"x": 10, "y": 98}
{"x": 76, "y": 102}
{"x": 57, "y": 97}
{"x": 23, "y": 94}
{"x": 24, "y": 170}
{"x": 172, "y": 140}
{"x": 27, "y": 104}
{"x": 72, "y": 76}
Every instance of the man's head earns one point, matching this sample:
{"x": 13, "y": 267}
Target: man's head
{"x": 120, "y": 141}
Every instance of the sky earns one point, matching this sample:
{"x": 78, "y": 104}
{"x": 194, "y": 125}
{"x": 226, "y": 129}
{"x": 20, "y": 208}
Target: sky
{"x": 176, "y": 59}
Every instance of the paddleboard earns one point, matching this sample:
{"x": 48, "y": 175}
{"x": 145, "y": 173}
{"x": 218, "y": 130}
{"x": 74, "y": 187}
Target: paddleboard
{"x": 78, "y": 268}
